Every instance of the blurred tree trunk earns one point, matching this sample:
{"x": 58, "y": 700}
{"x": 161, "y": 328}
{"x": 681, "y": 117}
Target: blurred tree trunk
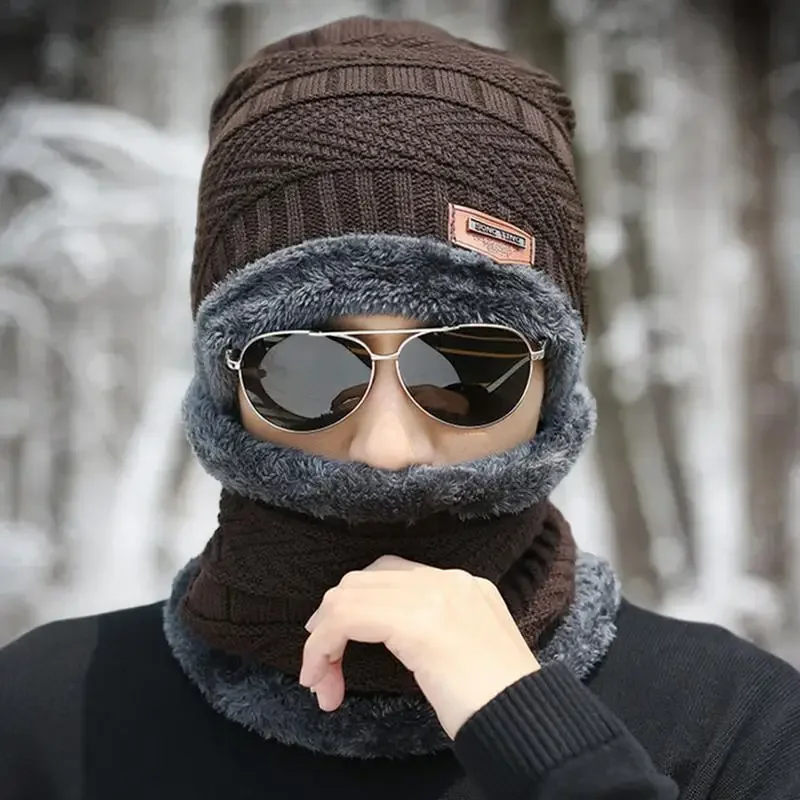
{"x": 611, "y": 299}
{"x": 772, "y": 410}
{"x": 576, "y": 57}
{"x": 22, "y": 37}
{"x": 478, "y": 20}
{"x": 641, "y": 461}
{"x": 652, "y": 412}
{"x": 535, "y": 33}
{"x": 39, "y": 53}
{"x": 785, "y": 83}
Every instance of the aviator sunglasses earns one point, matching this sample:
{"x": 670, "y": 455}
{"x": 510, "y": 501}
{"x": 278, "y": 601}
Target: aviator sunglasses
{"x": 467, "y": 376}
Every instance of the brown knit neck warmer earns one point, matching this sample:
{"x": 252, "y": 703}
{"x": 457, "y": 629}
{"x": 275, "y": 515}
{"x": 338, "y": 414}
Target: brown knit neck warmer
{"x": 265, "y": 570}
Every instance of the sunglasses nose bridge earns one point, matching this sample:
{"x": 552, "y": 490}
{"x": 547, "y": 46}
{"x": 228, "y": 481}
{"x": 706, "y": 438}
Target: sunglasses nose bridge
{"x": 385, "y": 356}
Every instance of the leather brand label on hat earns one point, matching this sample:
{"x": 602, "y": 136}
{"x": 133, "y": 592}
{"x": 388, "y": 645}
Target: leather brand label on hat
{"x": 493, "y": 237}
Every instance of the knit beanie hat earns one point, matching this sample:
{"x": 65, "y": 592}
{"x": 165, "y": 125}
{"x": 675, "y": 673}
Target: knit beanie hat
{"x": 374, "y": 126}
{"x": 387, "y": 167}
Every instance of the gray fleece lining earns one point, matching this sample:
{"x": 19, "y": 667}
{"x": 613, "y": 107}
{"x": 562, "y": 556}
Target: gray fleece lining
{"x": 307, "y": 285}
{"x": 275, "y": 706}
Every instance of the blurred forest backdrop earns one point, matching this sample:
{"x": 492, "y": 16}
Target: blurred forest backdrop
{"x": 689, "y": 146}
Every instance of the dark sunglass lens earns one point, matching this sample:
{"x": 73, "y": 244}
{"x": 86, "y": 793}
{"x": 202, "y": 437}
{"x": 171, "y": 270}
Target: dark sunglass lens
{"x": 472, "y": 376}
{"x": 301, "y": 382}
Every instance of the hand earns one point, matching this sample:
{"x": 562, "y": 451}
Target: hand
{"x": 451, "y": 629}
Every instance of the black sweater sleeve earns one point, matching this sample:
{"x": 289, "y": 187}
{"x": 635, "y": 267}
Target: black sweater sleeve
{"x": 761, "y": 750}
{"x": 548, "y": 737}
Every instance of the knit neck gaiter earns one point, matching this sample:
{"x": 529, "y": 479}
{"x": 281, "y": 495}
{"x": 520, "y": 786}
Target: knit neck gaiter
{"x": 265, "y": 571}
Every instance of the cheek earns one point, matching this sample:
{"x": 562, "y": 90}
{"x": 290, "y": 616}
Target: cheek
{"x": 529, "y": 412}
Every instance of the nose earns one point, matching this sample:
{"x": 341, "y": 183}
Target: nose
{"x": 389, "y": 431}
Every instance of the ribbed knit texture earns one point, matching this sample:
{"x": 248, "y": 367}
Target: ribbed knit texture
{"x": 374, "y": 126}
{"x": 265, "y": 571}
{"x": 548, "y": 736}
{"x": 534, "y": 726}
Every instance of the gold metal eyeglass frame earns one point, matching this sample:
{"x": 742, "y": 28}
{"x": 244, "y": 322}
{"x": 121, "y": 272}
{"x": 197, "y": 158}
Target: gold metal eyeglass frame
{"x": 233, "y": 362}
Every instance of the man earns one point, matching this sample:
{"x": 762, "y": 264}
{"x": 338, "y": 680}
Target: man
{"x": 388, "y": 285}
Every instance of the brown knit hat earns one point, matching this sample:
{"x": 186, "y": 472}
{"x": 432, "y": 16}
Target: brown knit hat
{"x": 377, "y": 126}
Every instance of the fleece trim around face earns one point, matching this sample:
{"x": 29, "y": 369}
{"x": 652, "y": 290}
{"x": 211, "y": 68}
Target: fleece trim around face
{"x": 275, "y": 706}
{"x": 305, "y": 286}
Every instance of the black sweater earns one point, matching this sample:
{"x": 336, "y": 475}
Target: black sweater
{"x": 98, "y": 709}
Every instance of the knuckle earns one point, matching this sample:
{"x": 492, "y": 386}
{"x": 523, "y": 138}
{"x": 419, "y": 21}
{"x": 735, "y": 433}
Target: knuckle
{"x": 349, "y": 579}
{"x": 486, "y": 586}
{"x": 331, "y": 597}
{"x": 490, "y": 593}
{"x": 461, "y": 579}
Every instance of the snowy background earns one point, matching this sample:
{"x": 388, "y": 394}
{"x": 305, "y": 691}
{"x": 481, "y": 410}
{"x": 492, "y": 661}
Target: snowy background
{"x": 689, "y": 147}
